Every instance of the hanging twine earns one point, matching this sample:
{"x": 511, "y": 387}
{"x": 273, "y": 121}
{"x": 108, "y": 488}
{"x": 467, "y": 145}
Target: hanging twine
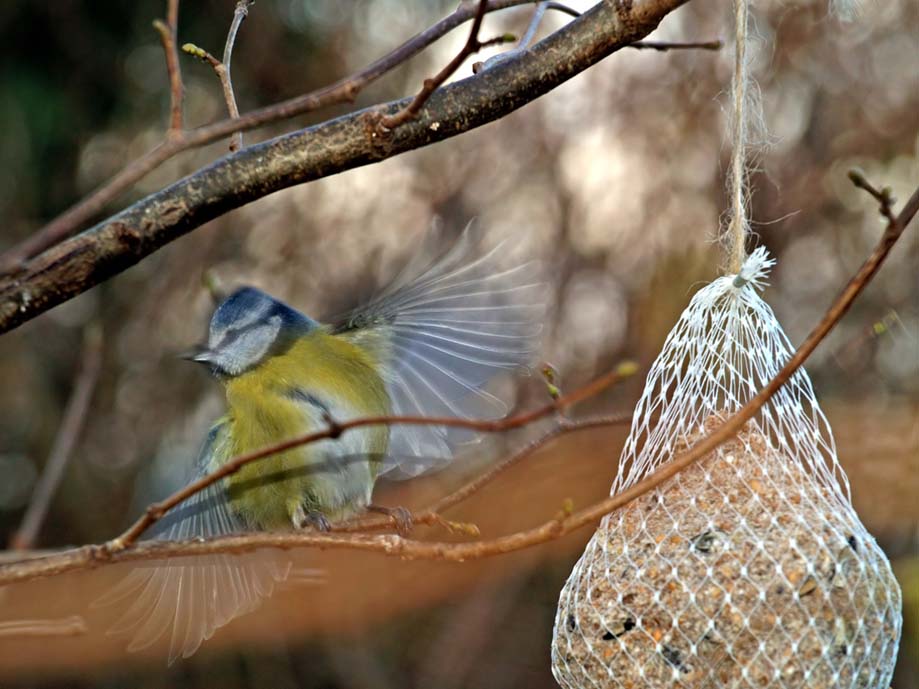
{"x": 747, "y": 128}
{"x": 734, "y": 237}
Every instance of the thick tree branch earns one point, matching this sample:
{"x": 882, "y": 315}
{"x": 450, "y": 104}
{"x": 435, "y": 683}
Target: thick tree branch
{"x": 89, "y": 557}
{"x": 343, "y": 90}
{"x": 78, "y": 263}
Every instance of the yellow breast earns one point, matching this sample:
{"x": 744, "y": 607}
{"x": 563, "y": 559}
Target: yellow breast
{"x": 286, "y": 396}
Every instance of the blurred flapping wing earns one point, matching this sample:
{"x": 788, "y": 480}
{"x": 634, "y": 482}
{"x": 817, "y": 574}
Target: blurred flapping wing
{"x": 441, "y": 331}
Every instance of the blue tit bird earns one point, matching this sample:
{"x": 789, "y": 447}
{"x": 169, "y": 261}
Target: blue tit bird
{"x": 427, "y": 345}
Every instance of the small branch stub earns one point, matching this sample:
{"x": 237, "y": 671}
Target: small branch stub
{"x": 472, "y": 45}
{"x": 884, "y": 196}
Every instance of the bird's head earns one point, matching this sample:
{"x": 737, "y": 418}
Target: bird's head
{"x": 246, "y": 328}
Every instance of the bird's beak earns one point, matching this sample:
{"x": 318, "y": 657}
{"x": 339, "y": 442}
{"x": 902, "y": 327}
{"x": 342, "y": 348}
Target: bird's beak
{"x": 201, "y": 354}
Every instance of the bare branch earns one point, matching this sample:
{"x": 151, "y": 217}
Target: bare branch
{"x": 663, "y": 46}
{"x": 239, "y": 15}
{"x": 89, "y": 557}
{"x": 80, "y": 262}
{"x": 536, "y": 19}
{"x": 222, "y": 68}
{"x": 342, "y": 91}
{"x": 472, "y": 45}
{"x": 64, "y": 443}
{"x": 432, "y": 514}
{"x": 563, "y": 428}
{"x": 223, "y": 74}
{"x": 336, "y": 429}
{"x": 168, "y": 31}
{"x": 884, "y": 196}
{"x": 528, "y": 35}
{"x": 653, "y": 45}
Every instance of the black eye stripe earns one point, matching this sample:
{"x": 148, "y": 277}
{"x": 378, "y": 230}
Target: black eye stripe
{"x": 230, "y": 336}
{"x": 233, "y": 332}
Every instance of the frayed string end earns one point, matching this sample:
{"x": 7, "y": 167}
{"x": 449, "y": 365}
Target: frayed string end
{"x": 755, "y": 270}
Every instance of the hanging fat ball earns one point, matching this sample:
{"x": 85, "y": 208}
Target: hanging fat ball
{"x": 750, "y": 568}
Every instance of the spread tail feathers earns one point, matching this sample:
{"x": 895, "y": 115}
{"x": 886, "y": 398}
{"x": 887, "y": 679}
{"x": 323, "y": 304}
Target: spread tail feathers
{"x": 188, "y": 599}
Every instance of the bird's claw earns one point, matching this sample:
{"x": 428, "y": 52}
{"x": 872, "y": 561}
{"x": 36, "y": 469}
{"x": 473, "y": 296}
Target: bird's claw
{"x": 318, "y": 521}
{"x": 401, "y": 517}
{"x": 313, "y": 519}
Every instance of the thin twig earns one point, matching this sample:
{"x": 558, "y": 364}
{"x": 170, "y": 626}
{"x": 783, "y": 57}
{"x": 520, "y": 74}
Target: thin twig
{"x": 536, "y": 19}
{"x": 884, "y": 196}
{"x": 433, "y": 515}
{"x": 66, "y": 626}
{"x": 336, "y": 429}
{"x": 204, "y": 56}
{"x": 570, "y": 11}
{"x": 239, "y": 15}
{"x": 64, "y": 443}
{"x": 89, "y": 557}
{"x": 222, "y": 68}
{"x": 647, "y": 45}
{"x": 526, "y": 39}
{"x": 342, "y": 91}
{"x": 223, "y": 74}
{"x": 563, "y": 428}
{"x": 471, "y": 46}
{"x": 168, "y": 32}
{"x": 663, "y": 46}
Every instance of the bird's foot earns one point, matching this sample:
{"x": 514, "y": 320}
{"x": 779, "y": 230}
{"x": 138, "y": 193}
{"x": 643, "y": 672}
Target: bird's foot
{"x": 313, "y": 519}
{"x": 401, "y": 517}
{"x": 318, "y": 521}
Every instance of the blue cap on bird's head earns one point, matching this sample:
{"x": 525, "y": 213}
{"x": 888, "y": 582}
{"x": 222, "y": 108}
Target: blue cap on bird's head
{"x": 245, "y": 328}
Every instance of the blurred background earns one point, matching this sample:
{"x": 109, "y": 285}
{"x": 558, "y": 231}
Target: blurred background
{"x": 615, "y": 180}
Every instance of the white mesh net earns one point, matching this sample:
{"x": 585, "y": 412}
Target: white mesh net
{"x": 748, "y": 569}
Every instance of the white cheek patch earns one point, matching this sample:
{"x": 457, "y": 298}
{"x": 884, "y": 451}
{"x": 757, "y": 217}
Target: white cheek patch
{"x": 267, "y": 333}
{"x": 249, "y": 348}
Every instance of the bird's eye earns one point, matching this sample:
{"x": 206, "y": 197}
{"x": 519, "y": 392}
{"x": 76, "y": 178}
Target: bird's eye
{"x": 229, "y": 335}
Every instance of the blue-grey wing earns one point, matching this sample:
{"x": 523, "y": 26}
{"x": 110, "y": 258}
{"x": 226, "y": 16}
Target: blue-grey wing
{"x": 189, "y": 598}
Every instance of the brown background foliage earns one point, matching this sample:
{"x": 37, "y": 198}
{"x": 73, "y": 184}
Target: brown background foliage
{"x": 615, "y": 180}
